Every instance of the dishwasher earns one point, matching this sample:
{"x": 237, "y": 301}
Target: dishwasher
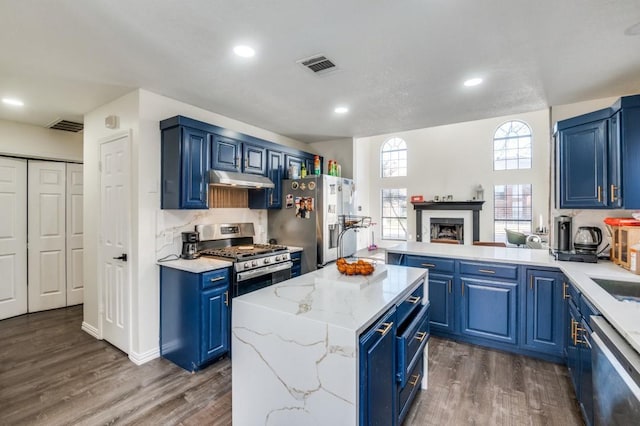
{"x": 616, "y": 376}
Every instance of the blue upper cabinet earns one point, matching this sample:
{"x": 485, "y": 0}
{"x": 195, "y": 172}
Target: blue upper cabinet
{"x": 235, "y": 156}
{"x": 185, "y": 165}
{"x": 270, "y": 198}
{"x": 582, "y": 155}
{"x": 597, "y": 156}
{"x": 226, "y": 154}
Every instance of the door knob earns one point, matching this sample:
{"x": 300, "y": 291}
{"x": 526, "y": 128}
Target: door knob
{"x": 123, "y": 257}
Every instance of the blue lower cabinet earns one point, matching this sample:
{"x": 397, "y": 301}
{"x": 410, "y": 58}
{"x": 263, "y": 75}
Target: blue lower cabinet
{"x": 544, "y": 330}
{"x": 488, "y": 309}
{"x": 194, "y": 316}
{"x": 410, "y": 344}
{"x": 296, "y": 269}
{"x": 586, "y": 373}
{"x": 377, "y": 373}
{"x": 441, "y": 299}
{"x": 215, "y": 323}
{"x": 573, "y": 351}
{"x": 407, "y": 394}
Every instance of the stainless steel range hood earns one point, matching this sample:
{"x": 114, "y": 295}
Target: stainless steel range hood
{"x": 239, "y": 180}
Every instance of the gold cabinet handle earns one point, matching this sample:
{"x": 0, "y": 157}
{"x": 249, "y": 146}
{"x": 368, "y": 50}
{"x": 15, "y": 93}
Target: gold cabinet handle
{"x": 414, "y": 299}
{"x": 573, "y": 331}
{"x": 428, "y": 265}
{"x": 599, "y": 194}
{"x": 613, "y": 192}
{"x": 449, "y": 286}
{"x": 226, "y": 298}
{"x": 576, "y": 335}
{"x": 415, "y": 379}
{"x": 385, "y": 330}
{"x": 565, "y": 295}
{"x": 486, "y": 271}
{"x": 213, "y": 280}
{"x": 420, "y": 335}
{"x": 271, "y": 199}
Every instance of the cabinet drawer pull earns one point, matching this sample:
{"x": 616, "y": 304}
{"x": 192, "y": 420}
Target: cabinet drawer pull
{"x": 416, "y": 379}
{"x": 565, "y": 295}
{"x": 385, "y": 329}
{"x": 576, "y": 337}
{"x": 296, "y": 259}
{"x": 531, "y": 282}
{"x": 613, "y": 192}
{"x": 428, "y": 265}
{"x": 486, "y": 271}
{"x": 414, "y": 299}
{"x": 226, "y": 298}
{"x": 449, "y": 286}
{"x": 599, "y": 194}
{"x": 271, "y": 199}
{"x": 462, "y": 287}
{"x": 213, "y": 280}
{"x": 420, "y": 335}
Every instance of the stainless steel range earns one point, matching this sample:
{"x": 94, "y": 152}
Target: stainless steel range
{"x": 255, "y": 265}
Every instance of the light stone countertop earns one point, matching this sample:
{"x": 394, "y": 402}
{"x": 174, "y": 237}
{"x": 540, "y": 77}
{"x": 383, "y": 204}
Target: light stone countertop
{"x": 197, "y": 266}
{"x": 294, "y": 249}
{"x": 623, "y": 316}
{"x": 349, "y": 302}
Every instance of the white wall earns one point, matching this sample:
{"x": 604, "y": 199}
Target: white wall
{"x": 454, "y": 159}
{"x": 154, "y": 232}
{"x": 340, "y": 150}
{"x": 24, "y": 140}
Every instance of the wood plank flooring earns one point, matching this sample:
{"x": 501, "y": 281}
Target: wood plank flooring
{"x": 53, "y": 373}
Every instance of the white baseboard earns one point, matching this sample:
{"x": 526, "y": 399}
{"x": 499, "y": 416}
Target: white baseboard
{"x": 141, "y": 358}
{"x": 91, "y": 330}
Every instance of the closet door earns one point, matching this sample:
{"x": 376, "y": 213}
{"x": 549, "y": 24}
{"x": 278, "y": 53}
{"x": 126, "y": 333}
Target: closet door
{"x": 47, "y": 245}
{"x": 13, "y": 237}
{"x": 75, "y": 280}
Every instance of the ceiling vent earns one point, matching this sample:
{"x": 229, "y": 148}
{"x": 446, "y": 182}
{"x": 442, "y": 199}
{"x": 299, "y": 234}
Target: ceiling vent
{"x": 319, "y": 64}
{"x": 66, "y": 125}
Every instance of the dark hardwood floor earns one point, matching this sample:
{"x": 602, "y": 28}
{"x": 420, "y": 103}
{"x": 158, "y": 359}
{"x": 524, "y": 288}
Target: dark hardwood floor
{"x": 52, "y": 373}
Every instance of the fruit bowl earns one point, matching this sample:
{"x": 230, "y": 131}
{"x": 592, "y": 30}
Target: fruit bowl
{"x": 360, "y": 267}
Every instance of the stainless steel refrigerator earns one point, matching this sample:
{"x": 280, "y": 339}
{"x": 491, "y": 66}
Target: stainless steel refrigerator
{"x": 310, "y": 218}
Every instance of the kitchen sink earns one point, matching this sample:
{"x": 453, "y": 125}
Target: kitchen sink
{"x": 621, "y": 290}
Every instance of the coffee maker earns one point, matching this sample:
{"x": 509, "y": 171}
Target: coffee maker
{"x": 562, "y": 232}
{"x": 189, "y": 245}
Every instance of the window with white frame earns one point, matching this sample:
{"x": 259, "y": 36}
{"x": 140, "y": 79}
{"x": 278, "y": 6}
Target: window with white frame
{"x": 393, "y": 158}
{"x": 512, "y": 209}
{"x": 394, "y": 214}
{"x": 512, "y": 146}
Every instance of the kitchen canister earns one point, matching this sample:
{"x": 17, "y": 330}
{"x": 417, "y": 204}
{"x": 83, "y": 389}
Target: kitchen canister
{"x": 634, "y": 259}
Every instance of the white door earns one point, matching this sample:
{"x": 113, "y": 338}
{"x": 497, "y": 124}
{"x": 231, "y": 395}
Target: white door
{"x": 13, "y": 237}
{"x": 115, "y": 240}
{"x": 75, "y": 281}
{"x": 47, "y": 235}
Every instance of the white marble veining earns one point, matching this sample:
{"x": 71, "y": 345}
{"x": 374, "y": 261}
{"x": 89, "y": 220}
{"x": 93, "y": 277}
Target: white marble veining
{"x": 295, "y": 346}
{"x": 197, "y": 266}
{"x": 623, "y": 316}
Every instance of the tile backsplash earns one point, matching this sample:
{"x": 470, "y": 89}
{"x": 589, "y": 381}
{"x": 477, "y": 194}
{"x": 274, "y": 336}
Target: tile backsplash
{"x": 589, "y": 218}
{"x": 171, "y": 223}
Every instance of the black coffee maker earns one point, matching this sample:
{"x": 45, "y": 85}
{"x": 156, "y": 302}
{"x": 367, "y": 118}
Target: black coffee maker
{"x": 189, "y": 245}
{"x": 562, "y": 233}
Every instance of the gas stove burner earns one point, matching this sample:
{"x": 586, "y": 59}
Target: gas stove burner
{"x": 243, "y": 251}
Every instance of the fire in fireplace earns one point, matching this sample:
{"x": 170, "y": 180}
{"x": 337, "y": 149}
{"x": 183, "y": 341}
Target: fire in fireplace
{"x": 447, "y": 228}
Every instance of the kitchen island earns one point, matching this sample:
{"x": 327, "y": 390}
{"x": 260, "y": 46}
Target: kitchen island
{"x": 296, "y": 353}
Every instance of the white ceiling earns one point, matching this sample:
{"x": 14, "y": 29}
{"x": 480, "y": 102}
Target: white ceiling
{"x": 402, "y": 62}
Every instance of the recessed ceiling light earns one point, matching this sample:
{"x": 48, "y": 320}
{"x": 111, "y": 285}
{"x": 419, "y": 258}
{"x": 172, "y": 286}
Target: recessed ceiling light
{"x": 244, "y": 51}
{"x": 473, "y": 82}
{"x": 341, "y": 110}
{"x": 13, "y": 102}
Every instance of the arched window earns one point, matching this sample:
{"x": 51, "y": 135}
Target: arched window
{"x": 512, "y": 146}
{"x": 393, "y": 158}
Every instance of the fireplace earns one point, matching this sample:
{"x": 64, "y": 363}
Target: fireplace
{"x": 451, "y": 209}
{"x": 445, "y": 228}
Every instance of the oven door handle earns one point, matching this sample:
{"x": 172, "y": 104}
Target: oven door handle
{"x": 243, "y": 276}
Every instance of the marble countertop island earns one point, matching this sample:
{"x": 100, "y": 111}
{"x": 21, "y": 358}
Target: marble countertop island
{"x": 624, "y": 316}
{"x": 295, "y": 343}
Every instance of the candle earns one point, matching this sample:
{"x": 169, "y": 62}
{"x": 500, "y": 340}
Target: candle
{"x": 540, "y": 226}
